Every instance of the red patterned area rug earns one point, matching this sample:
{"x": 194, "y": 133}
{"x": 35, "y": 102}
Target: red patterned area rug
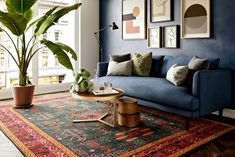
{"x": 47, "y": 129}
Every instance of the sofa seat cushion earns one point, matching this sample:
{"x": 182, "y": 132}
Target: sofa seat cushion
{"x": 153, "y": 89}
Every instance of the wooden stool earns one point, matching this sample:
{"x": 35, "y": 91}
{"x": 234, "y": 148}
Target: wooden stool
{"x": 128, "y": 112}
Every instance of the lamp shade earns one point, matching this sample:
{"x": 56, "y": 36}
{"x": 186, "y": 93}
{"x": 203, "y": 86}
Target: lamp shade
{"x": 114, "y": 26}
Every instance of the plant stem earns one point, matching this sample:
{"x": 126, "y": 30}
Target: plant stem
{"x": 16, "y": 47}
{"x": 10, "y": 55}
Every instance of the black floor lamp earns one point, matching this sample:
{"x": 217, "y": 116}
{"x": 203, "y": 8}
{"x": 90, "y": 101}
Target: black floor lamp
{"x": 114, "y": 27}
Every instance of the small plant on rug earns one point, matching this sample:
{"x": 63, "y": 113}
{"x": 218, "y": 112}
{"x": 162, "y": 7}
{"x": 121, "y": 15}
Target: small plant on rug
{"x": 81, "y": 82}
{"x": 17, "y": 21}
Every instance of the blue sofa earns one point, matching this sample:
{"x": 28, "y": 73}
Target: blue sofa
{"x": 211, "y": 89}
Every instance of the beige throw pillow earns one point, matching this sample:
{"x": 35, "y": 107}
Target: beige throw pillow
{"x": 177, "y": 74}
{"x": 123, "y": 68}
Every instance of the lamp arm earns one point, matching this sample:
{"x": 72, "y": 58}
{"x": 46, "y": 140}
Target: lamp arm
{"x": 102, "y": 29}
{"x": 100, "y": 47}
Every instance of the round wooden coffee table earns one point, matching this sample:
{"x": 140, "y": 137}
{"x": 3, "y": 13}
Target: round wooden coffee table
{"x": 107, "y": 98}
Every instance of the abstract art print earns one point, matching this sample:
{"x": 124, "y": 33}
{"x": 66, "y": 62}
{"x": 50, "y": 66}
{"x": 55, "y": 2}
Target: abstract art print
{"x": 195, "y": 18}
{"x": 154, "y": 37}
{"x": 160, "y": 10}
{"x": 134, "y": 19}
{"x": 171, "y": 36}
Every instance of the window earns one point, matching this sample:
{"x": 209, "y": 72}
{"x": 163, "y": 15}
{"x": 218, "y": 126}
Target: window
{"x": 2, "y": 58}
{"x": 45, "y": 58}
{"x": 45, "y": 35}
{"x": 57, "y": 34}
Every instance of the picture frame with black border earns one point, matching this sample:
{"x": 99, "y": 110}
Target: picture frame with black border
{"x": 154, "y": 37}
{"x": 171, "y": 36}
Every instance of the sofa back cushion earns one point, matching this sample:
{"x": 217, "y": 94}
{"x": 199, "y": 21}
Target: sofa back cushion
{"x": 214, "y": 63}
{"x": 156, "y": 66}
{"x": 168, "y": 61}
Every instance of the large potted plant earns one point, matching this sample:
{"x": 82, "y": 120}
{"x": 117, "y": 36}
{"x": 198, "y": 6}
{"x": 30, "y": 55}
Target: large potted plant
{"x": 16, "y": 22}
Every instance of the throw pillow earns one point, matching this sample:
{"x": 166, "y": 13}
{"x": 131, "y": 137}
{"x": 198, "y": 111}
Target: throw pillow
{"x": 198, "y": 64}
{"x": 142, "y": 64}
{"x": 195, "y": 65}
{"x": 123, "y": 68}
{"x": 177, "y": 74}
{"x": 120, "y": 58}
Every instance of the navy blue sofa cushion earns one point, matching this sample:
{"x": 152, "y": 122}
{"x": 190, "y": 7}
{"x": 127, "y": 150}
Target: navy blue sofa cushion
{"x": 156, "y": 66}
{"x": 157, "y": 90}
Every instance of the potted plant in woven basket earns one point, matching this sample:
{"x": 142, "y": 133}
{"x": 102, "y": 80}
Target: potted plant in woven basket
{"x": 15, "y": 23}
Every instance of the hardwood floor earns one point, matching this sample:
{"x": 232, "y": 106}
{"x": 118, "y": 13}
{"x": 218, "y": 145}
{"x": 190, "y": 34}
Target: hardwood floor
{"x": 223, "y": 146}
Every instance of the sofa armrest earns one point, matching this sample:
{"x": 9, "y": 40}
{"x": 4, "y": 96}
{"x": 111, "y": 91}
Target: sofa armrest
{"x": 102, "y": 68}
{"x": 213, "y": 89}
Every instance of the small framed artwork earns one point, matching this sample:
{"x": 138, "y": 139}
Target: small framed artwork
{"x": 160, "y": 10}
{"x": 195, "y": 18}
{"x": 171, "y": 36}
{"x": 134, "y": 19}
{"x": 154, "y": 37}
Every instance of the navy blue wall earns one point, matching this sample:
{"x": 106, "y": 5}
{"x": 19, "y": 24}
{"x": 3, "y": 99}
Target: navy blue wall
{"x": 222, "y": 43}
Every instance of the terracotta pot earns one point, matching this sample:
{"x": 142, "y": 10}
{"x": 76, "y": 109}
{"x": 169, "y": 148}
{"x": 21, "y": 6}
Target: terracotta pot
{"x": 23, "y": 96}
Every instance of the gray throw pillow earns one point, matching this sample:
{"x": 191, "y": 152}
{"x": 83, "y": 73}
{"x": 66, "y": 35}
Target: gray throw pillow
{"x": 198, "y": 64}
{"x": 177, "y": 74}
{"x": 121, "y": 69}
{"x": 195, "y": 65}
{"x": 120, "y": 58}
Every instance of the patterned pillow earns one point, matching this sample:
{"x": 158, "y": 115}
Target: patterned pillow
{"x": 177, "y": 74}
{"x": 142, "y": 64}
{"x": 122, "y": 69}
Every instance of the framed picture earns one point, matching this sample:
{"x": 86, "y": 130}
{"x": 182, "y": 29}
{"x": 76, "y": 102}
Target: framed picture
{"x": 195, "y": 18}
{"x": 154, "y": 37}
{"x": 161, "y": 10}
{"x": 134, "y": 19}
{"x": 171, "y": 36}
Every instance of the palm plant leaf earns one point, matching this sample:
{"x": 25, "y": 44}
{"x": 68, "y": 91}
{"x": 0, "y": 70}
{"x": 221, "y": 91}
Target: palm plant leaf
{"x": 67, "y": 49}
{"x": 16, "y": 23}
{"x": 43, "y": 18}
{"x": 19, "y": 6}
{"x": 53, "y": 18}
{"x": 29, "y": 15}
{"x": 57, "y": 51}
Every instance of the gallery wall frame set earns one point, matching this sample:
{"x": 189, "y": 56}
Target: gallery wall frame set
{"x": 166, "y": 37}
{"x": 161, "y": 10}
{"x": 195, "y": 18}
{"x": 134, "y": 19}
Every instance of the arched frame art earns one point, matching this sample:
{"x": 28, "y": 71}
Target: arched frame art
{"x": 195, "y": 19}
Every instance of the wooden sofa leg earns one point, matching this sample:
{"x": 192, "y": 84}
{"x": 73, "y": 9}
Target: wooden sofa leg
{"x": 187, "y": 124}
{"x": 221, "y": 113}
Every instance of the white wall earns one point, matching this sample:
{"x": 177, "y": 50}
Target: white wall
{"x": 89, "y": 23}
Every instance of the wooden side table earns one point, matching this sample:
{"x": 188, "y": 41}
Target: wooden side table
{"x": 128, "y": 114}
{"x": 107, "y": 98}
